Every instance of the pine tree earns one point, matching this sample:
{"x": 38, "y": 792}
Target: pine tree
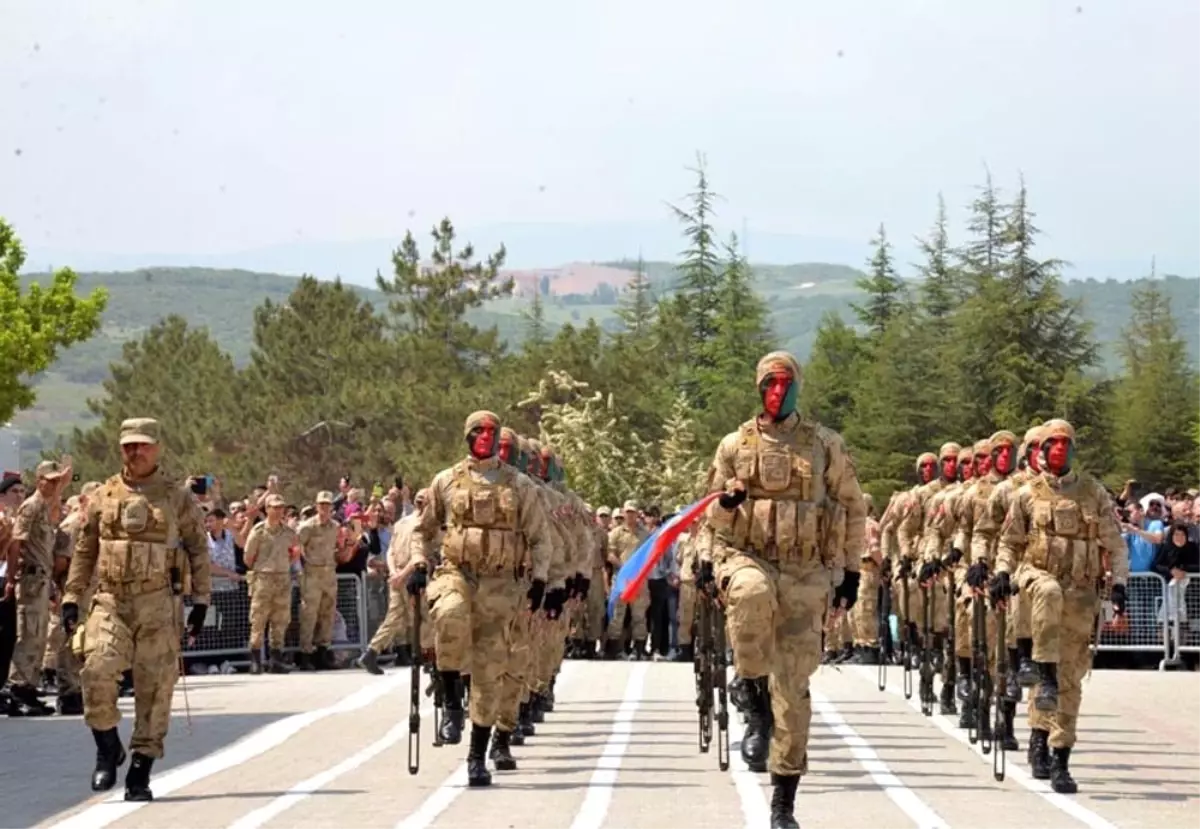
{"x": 940, "y": 290}
{"x": 636, "y": 309}
{"x": 536, "y": 333}
{"x": 884, "y": 289}
{"x": 981, "y": 258}
{"x": 829, "y": 376}
{"x": 698, "y": 290}
{"x": 681, "y": 462}
{"x": 1156, "y": 412}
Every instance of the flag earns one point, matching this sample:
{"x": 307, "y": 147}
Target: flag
{"x": 634, "y": 572}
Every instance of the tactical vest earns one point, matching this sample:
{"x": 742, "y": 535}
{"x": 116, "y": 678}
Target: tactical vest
{"x": 783, "y": 516}
{"x": 138, "y": 538}
{"x": 1062, "y": 538}
{"x": 481, "y": 527}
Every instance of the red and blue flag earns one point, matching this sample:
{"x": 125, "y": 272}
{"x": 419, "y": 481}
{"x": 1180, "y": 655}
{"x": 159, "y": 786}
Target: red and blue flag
{"x": 634, "y": 572}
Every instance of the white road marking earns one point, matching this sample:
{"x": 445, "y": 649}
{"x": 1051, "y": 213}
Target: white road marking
{"x": 297, "y": 793}
{"x": 921, "y": 813}
{"x": 448, "y": 792}
{"x": 257, "y": 742}
{"x": 600, "y": 789}
{"x": 748, "y": 783}
{"x": 1013, "y": 771}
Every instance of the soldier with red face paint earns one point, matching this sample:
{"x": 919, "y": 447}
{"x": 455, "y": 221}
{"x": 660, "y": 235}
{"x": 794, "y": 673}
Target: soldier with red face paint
{"x": 1057, "y": 525}
{"x": 493, "y": 517}
{"x": 904, "y": 527}
{"x": 1028, "y": 455}
{"x": 790, "y": 522}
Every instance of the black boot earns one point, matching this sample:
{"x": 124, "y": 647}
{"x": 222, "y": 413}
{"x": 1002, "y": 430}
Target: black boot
{"x": 304, "y": 662}
{"x": 1039, "y": 754}
{"x": 867, "y": 655}
{"x": 1045, "y": 698}
{"x": 127, "y": 683}
{"x": 477, "y": 773}
{"x": 639, "y": 650}
{"x": 536, "y": 708}
{"x": 369, "y": 662}
{"x": 256, "y": 661}
{"x": 516, "y": 737}
{"x": 686, "y": 653}
{"x": 966, "y": 715}
{"x": 756, "y": 741}
{"x": 1060, "y": 776}
{"x": 1027, "y": 675}
{"x": 525, "y": 719}
{"x": 277, "y": 666}
{"x": 404, "y": 656}
{"x": 612, "y": 649}
{"x": 783, "y": 802}
{"x": 962, "y": 687}
{"x": 110, "y": 755}
{"x": 1012, "y": 686}
{"x": 939, "y": 653}
{"x": 69, "y": 704}
{"x": 548, "y": 697}
{"x": 452, "y": 724}
{"x": 844, "y": 655}
{"x": 323, "y": 659}
{"x": 137, "y": 779}
{"x": 946, "y": 704}
{"x": 500, "y": 754}
{"x": 1009, "y": 737}
{"x": 31, "y": 705}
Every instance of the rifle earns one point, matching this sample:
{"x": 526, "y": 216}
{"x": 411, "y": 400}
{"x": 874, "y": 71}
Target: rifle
{"x": 719, "y": 647}
{"x": 906, "y": 643}
{"x": 950, "y": 672}
{"x": 438, "y": 693}
{"x": 926, "y": 686}
{"x": 703, "y": 667}
{"x": 998, "y": 722}
{"x": 885, "y": 629}
{"x": 981, "y": 678}
{"x": 414, "y": 706}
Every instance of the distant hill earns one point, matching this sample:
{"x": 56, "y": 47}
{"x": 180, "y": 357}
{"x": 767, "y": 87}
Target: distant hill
{"x": 224, "y": 302}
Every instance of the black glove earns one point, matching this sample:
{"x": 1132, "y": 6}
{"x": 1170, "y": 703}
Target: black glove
{"x": 929, "y": 571}
{"x": 905, "y": 567}
{"x": 885, "y": 570}
{"x": 555, "y": 599}
{"x": 1000, "y": 587}
{"x": 418, "y": 581}
{"x": 583, "y": 583}
{"x": 1118, "y": 598}
{"x": 847, "y": 590}
{"x": 954, "y": 558}
{"x": 70, "y": 618}
{"x": 571, "y": 588}
{"x": 731, "y": 500}
{"x": 536, "y": 591}
{"x": 706, "y": 577}
{"x": 977, "y": 575}
{"x": 195, "y": 620}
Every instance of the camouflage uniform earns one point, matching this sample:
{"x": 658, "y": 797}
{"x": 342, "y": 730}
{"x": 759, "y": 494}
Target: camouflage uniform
{"x": 396, "y": 625}
{"x": 1056, "y": 526}
{"x": 622, "y": 542}
{"x": 134, "y": 542}
{"x": 318, "y": 587}
{"x": 597, "y": 595}
{"x": 269, "y": 553}
{"x": 789, "y": 524}
{"x": 866, "y": 610}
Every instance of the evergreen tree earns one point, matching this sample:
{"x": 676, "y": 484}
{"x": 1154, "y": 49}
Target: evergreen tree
{"x": 940, "y": 290}
{"x": 830, "y": 374}
{"x": 681, "y": 461}
{"x": 1156, "y": 411}
{"x": 536, "y": 333}
{"x": 700, "y": 271}
{"x": 884, "y": 289}
{"x": 636, "y": 309}
{"x": 980, "y": 259}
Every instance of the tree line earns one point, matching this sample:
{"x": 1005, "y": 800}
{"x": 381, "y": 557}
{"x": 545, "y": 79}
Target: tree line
{"x": 337, "y": 386}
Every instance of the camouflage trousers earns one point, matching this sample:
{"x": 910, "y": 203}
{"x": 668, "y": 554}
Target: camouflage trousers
{"x": 596, "y": 606}
{"x": 687, "y": 611}
{"x": 270, "y": 604}
{"x": 1063, "y": 620}
{"x": 514, "y": 683}
{"x": 940, "y": 621}
{"x": 866, "y": 608}
{"x": 773, "y": 613}
{"x": 1021, "y": 608}
{"x": 838, "y": 627}
{"x": 33, "y": 619}
{"x": 143, "y": 633}
{"x": 640, "y": 605}
{"x": 964, "y": 624}
{"x": 318, "y": 599}
{"x": 472, "y": 621}
{"x": 548, "y": 650}
{"x": 60, "y": 657}
{"x": 396, "y": 627}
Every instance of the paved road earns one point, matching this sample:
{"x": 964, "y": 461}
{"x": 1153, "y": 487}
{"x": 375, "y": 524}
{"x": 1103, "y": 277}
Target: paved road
{"x": 329, "y": 750}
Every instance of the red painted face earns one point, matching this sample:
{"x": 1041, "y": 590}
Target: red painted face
{"x": 949, "y": 468}
{"x": 927, "y": 471}
{"x": 774, "y": 391}
{"x": 983, "y": 465}
{"x": 506, "y": 450}
{"x": 1004, "y": 459}
{"x": 967, "y": 468}
{"x": 1035, "y": 457}
{"x": 534, "y": 468}
{"x": 483, "y": 440}
{"x": 1058, "y": 454}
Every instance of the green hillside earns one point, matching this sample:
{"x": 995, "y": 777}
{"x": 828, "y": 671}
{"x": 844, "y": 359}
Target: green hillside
{"x": 224, "y": 302}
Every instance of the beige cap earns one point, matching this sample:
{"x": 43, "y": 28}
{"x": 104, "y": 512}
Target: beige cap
{"x": 604, "y": 512}
{"x": 630, "y": 506}
{"x": 50, "y": 470}
{"x": 324, "y": 497}
{"x": 276, "y": 501}
{"x": 139, "y": 430}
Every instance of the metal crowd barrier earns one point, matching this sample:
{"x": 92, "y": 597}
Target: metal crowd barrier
{"x": 1147, "y": 628}
{"x": 226, "y": 635}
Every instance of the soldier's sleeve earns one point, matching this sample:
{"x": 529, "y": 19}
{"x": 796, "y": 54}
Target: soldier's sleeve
{"x": 1110, "y": 537}
{"x": 83, "y": 563}
{"x": 559, "y": 567}
{"x": 305, "y": 531}
{"x": 983, "y": 532}
{"x": 1013, "y": 535}
{"x": 433, "y": 516}
{"x": 908, "y": 525}
{"x": 195, "y": 545}
{"x": 841, "y": 482}
{"x": 253, "y": 542}
{"x": 719, "y": 474}
{"x": 534, "y": 525}
{"x": 614, "y": 546}
{"x": 964, "y": 522}
{"x": 398, "y": 552}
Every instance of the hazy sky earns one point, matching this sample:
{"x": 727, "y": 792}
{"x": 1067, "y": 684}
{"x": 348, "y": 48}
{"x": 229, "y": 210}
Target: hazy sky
{"x": 221, "y": 126}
